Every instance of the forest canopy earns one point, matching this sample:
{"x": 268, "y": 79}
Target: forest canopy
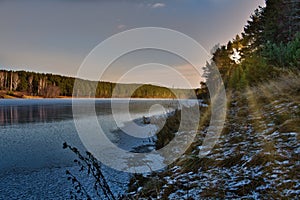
{"x": 268, "y": 46}
{"x": 50, "y": 85}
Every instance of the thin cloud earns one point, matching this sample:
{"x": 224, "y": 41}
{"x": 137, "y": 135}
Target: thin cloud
{"x": 158, "y": 5}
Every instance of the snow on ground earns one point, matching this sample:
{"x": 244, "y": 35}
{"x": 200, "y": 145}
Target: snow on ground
{"x": 251, "y": 160}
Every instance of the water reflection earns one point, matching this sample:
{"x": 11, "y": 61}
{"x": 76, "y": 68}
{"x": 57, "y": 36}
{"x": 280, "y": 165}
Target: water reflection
{"x": 50, "y": 110}
{"x": 32, "y": 113}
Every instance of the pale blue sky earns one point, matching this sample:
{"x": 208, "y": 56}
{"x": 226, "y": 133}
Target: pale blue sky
{"x": 56, "y": 35}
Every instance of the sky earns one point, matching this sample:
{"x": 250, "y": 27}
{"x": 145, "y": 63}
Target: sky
{"x": 55, "y": 36}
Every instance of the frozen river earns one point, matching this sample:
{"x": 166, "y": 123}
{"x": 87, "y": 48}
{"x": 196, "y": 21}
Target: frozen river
{"x": 32, "y": 160}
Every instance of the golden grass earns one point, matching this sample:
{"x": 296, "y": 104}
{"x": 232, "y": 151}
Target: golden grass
{"x": 290, "y": 125}
{"x": 275, "y": 102}
{"x": 5, "y": 96}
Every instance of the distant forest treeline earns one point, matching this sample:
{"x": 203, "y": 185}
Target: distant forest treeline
{"x": 50, "y": 85}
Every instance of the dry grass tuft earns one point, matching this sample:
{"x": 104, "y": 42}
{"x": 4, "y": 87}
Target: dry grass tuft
{"x": 290, "y": 125}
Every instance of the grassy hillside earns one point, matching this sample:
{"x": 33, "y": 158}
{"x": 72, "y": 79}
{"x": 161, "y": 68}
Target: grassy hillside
{"x": 257, "y": 155}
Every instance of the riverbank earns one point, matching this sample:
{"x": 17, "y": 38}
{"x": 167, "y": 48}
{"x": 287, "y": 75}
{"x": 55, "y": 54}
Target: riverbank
{"x": 257, "y": 155}
{"x": 24, "y": 95}
{"x": 4, "y": 94}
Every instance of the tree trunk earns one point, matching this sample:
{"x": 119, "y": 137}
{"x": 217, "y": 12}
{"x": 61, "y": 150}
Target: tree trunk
{"x": 2, "y": 80}
{"x": 11, "y": 78}
{"x": 16, "y": 81}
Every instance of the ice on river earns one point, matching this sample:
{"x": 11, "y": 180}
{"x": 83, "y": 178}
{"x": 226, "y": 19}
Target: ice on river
{"x": 32, "y": 160}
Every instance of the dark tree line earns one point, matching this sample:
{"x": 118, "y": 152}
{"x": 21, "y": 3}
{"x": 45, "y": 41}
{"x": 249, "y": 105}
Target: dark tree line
{"x": 269, "y": 43}
{"x": 36, "y": 84}
{"x": 50, "y": 85}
